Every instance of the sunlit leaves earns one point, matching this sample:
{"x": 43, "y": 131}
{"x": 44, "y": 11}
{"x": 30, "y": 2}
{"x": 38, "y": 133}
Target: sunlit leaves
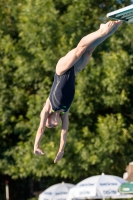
{"x": 34, "y": 35}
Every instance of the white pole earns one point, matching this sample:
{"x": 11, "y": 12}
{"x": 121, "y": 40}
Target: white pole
{"x": 7, "y": 191}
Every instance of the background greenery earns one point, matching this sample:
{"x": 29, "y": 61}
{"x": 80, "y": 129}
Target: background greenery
{"x": 33, "y": 36}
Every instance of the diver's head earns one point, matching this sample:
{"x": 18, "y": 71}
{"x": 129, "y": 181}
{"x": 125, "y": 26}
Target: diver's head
{"x": 53, "y": 120}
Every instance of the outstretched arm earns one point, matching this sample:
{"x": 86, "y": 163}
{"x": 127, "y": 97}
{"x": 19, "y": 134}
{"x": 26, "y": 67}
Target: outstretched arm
{"x": 63, "y": 138}
{"x": 44, "y": 115}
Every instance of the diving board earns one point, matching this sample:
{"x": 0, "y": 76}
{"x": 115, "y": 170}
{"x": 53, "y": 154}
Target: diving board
{"x": 124, "y": 14}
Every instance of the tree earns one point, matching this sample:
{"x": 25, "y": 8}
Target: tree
{"x": 100, "y": 132}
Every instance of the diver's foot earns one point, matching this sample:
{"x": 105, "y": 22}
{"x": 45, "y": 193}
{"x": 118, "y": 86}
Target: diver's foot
{"x": 110, "y": 27}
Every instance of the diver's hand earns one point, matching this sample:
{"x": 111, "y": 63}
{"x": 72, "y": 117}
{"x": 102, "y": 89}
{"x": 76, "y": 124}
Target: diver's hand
{"x": 38, "y": 151}
{"x": 59, "y": 156}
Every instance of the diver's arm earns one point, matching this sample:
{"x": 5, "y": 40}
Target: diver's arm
{"x": 63, "y": 138}
{"x": 40, "y": 131}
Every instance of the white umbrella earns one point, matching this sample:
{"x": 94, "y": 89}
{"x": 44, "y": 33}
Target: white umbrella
{"x": 56, "y": 192}
{"x": 97, "y": 187}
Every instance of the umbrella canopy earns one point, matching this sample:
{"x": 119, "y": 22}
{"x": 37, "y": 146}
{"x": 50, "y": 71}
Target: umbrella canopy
{"x": 97, "y": 187}
{"x": 126, "y": 188}
{"x": 56, "y": 192}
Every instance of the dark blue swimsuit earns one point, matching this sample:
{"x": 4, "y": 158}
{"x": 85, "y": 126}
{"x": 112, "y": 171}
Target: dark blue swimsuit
{"x": 62, "y": 91}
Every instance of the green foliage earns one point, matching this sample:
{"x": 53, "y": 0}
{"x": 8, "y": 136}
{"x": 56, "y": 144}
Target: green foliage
{"x": 33, "y": 36}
